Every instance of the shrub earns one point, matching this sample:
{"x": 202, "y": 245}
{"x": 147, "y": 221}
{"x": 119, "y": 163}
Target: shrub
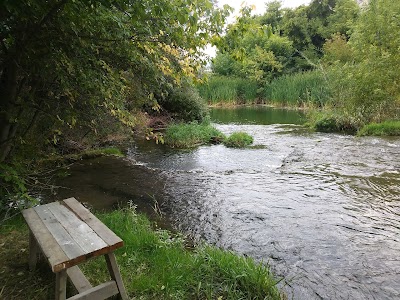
{"x": 238, "y": 140}
{"x": 328, "y": 122}
{"x": 185, "y": 104}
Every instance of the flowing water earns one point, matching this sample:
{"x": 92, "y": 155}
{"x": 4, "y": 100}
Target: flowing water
{"x": 322, "y": 209}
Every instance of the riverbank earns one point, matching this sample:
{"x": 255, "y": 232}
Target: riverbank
{"x": 154, "y": 263}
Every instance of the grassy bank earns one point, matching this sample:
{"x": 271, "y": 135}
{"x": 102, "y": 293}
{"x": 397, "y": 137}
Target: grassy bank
{"x": 154, "y": 265}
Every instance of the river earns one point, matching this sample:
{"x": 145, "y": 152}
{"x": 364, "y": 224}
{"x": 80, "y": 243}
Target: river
{"x": 323, "y": 210}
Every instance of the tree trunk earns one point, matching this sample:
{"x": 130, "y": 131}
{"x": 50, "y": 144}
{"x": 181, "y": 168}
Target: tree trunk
{"x": 8, "y": 94}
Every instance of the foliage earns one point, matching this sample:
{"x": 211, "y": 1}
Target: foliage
{"x": 368, "y": 88}
{"x": 184, "y": 103}
{"x": 190, "y": 135}
{"x": 332, "y": 122}
{"x": 238, "y": 140}
{"x": 71, "y": 63}
{"x": 388, "y": 128}
{"x": 228, "y": 90}
{"x": 307, "y": 88}
{"x": 14, "y": 194}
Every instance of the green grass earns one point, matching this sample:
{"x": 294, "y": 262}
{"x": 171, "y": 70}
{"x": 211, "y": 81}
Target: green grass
{"x": 154, "y": 264}
{"x": 298, "y": 90}
{"x": 388, "y": 128}
{"x": 188, "y": 135}
{"x": 228, "y": 90}
{"x": 238, "y": 140}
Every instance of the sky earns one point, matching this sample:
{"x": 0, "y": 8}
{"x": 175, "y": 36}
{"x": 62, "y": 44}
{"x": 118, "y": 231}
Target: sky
{"x": 259, "y": 9}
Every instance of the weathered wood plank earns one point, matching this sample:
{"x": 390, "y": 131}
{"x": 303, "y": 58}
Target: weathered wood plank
{"x": 49, "y": 246}
{"x": 100, "y": 292}
{"x": 33, "y": 251}
{"x": 61, "y": 285}
{"x": 115, "y": 274}
{"x": 82, "y": 234}
{"x": 63, "y": 238}
{"x": 102, "y": 230}
{"x": 78, "y": 279}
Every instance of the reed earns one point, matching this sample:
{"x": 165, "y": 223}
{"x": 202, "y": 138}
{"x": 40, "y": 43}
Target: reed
{"x": 228, "y": 90}
{"x": 300, "y": 89}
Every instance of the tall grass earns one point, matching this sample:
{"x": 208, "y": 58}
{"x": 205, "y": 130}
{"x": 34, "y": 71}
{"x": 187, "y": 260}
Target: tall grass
{"x": 228, "y": 90}
{"x": 188, "y": 135}
{"x": 298, "y": 89}
{"x": 156, "y": 265}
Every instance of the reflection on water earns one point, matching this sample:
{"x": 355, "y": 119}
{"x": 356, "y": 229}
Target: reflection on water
{"x": 261, "y": 115}
{"x": 322, "y": 209}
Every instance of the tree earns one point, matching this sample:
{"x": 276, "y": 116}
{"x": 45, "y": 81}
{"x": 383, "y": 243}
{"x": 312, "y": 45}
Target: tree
{"x": 368, "y": 86}
{"x": 66, "y": 62}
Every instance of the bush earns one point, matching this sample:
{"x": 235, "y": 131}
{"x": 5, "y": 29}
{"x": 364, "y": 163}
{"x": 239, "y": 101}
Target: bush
{"x": 328, "y": 122}
{"x": 185, "y": 104}
{"x": 191, "y": 135}
{"x": 388, "y": 128}
{"x": 238, "y": 140}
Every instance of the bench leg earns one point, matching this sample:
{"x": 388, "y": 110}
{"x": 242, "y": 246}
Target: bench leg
{"x": 116, "y": 275}
{"x": 33, "y": 251}
{"x": 61, "y": 285}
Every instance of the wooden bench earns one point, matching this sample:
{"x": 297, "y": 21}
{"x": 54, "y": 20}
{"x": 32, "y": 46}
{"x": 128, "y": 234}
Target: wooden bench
{"x": 69, "y": 234}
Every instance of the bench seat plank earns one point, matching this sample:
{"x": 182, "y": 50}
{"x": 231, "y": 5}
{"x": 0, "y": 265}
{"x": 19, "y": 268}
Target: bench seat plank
{"x": 49, "y": 246}
{"x": 86, "y": 216}
{"x": 63, "y": 238}
{"x": 80, "y": 232}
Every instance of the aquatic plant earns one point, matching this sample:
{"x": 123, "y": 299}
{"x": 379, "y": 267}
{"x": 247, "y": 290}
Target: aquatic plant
{"x": 228, "y": 90}
{"x": 298, "y": 89}
{"x": 188, "y": 135}
{"x": 238, "y": 139}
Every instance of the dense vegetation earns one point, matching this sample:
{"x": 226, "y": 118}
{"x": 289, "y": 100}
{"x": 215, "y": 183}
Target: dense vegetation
{"x": 76, "y": 75}
{"x": 330, "y": 54}
{"x": 154, "y": 264}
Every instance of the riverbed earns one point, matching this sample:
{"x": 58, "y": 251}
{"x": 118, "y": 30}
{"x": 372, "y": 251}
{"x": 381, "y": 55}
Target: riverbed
{"x": 323, "y": 210}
